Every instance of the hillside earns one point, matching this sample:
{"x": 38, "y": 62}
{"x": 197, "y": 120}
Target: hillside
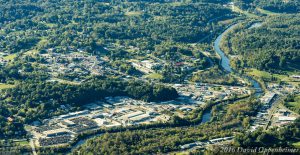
{"x": 276, "y": 6}
{"x": 272, "y": 46}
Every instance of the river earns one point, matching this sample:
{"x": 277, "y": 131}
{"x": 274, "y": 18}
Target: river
{"x": 225, "y": 63}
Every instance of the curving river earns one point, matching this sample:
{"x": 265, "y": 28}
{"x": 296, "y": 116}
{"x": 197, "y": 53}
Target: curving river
{"x": 225, "y": 63}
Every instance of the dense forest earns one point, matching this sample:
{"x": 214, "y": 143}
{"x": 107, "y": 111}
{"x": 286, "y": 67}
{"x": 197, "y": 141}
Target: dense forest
{"x": 277, "y": 6}
{"x": 147, "y": 141}
{"x": 276, "y": 137}
{"x": 272, "y": 46}
{"x": 91, "y": 24}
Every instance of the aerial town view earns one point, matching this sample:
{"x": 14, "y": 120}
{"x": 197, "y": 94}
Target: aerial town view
{"x": 137, "y": 77}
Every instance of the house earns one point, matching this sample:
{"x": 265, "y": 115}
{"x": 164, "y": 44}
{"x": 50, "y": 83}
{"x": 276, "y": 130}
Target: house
{"x": 286, "y": 118}
{"x": 296, "y": 76}
{"x": 10, "y": 119}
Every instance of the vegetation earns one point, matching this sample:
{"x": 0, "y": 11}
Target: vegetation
{"x": 272, "y": 46}
{"x": 45, "y": 98}
{"x": 175, "y": 34}
{"x": 5, "y": 86}
{"x": 293, "y": 103}
{"x": 213, "y": 75}
{"x": 146, "y": 141}
{"x": 278, "y": 6}
{"x": 282, "y": 137}
{"x": 169, "y": 139}
{"x": 158, "y": 28}
{"x": 91, "y": 24}
{"x": 154, "y": 76}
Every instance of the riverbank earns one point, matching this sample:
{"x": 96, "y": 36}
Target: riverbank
{"x": 225, "y": 61}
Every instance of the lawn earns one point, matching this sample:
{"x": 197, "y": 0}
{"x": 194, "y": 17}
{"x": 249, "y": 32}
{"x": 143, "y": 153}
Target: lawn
{"x": 160, "y": 18}
{"x": 65, "y": 81}
{"x": 154, "y": 76}
{"x": 176, "y": 3}
{"x": 51, "y": 25}
{"x": 267, "y": 75}
{"x": 6, "y": 86}
{"x": 42, "y": 42}
{"x": 238, "y": 10}
{"x": 258, "y": 73}
{"x": 297, "y": 145}
{"x": 22, "y": 143}
{"x": 133, "y": 13}
{"x": 183, "y": 153}
{"x": 31, "y": 52}
{"x": 10, "y": 57}
{"x": 266, "y": 12}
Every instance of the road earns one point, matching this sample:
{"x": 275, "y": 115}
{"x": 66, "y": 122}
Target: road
{"x": 272, "y": 110}
{"x": 32, "y": 147}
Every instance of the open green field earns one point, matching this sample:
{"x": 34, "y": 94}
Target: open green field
{"x": 267, "y": 75}
{"x": 31, "y": 52}
{"x": 162, "y": 18}
{"x": 266, "y": 12}
{"x": 264, "y": 74}
{"x": 177, "y": 3}
{"x": 17, "y": 142}
{"x": 51, "y": 25}
{"x": 22, "y": 143}
{"x": 248, "y": 14}
{"x": 154, "y": 76}
{"x": 10, "y": 57}
{"x": 297, "y": 145}
{"x": 133, "y": 13}
{"x": 6, "y": 86}
{"x": 65, "y": 81}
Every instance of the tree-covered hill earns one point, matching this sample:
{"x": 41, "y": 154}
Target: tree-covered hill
{"x": 91, "y": 24}
{"x": 272, "y": 46}
{"x": 278, "y": 6}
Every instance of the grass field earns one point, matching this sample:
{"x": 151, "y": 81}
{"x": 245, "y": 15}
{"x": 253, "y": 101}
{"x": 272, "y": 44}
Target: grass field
{"x": 154, "y": 76}
{"x": 267, "y": 75}
{"x": 51, "y": 25}
{"x": 133, "y": 13}
{"x": 177, "y": 3}
{"x": 10, "y": 57}
{"x": 65, "y": 81}
{"x": 42, "y": 42}
{"x": 162, "y": 18}
{"x": 297, "y": 145}
{"x": 22, "y": 143}
{"x": 266, "y": 12}
{"x": 248, "y": 14}
{"x": 183, "y": 153}
{"x": 6, "y": 86}
{"x": 31, "y": 52}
